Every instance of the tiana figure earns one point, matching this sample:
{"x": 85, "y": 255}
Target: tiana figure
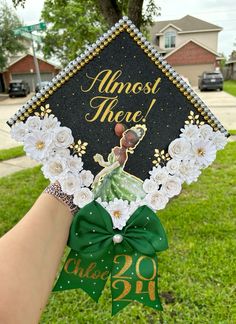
{"x": 113, "y": 182}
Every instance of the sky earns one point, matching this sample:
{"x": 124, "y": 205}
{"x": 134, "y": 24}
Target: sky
{"x": 221, "y": 13}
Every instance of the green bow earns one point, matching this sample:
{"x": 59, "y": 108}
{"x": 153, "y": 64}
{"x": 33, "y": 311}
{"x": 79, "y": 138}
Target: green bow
{"x": 132, "y": 262}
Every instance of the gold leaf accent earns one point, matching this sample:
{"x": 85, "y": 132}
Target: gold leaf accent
{"x": 161, "y": 157}
{"x": 192, "y": 119}
{"x": 44, "y": 111}
{"x": 79, "y": 147}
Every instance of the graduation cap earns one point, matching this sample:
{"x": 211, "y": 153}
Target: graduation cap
{"x": 122, "y": 112}
{"x": 120, "y": 79}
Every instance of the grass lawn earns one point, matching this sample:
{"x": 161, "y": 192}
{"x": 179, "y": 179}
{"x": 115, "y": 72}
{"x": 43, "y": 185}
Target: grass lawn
{"x": 11, "y": 153}
{"x": 196, "y": 274}
{"x": 230, "y": 87}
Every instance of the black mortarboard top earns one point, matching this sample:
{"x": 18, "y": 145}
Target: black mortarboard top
{"x": 120, "y": 78}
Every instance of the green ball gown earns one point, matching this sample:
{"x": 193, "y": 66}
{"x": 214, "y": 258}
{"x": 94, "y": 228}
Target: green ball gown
{"x": 118, "y": 184}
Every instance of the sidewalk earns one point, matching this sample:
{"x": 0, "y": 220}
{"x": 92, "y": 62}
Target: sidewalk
{"x": 8, "y": 167}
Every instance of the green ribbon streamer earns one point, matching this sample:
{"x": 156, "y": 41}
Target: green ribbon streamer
{"x": 131, "y": 263}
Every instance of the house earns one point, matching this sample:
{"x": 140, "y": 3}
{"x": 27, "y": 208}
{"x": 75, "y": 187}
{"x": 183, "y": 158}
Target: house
{"x": 188, "y": 44}
{"x": 231, "y": 69}
{"x": 22, "y": 68}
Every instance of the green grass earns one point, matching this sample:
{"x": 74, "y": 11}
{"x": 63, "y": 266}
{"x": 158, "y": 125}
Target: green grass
{"x": 11, "y": 153}
{"x": 230, "y": 87}
{"x": 197, "y": 272}
{"x": 232, "y": 132}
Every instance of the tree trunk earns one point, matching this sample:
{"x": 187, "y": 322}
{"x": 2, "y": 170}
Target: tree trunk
{"x": 135, "y": 11}
{"x": 110, "y": 11}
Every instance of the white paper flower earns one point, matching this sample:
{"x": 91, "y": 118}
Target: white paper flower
{"x": 55, "y": 168}
{"x": 86, "y": 178}
{"x": 70, "y": 183}
{"x": 150, "y": 185}
{"x": 172, "y": 186}
{"x": 206, "y": 132}
{"x": 83, "y": 197}
{"x": 50, "y": 122}
{"x": 133, "y": 205}
{"x": 179, "y": 149}
{"x": 119, "y": 211}
{"x": 33, "y": 123}
{"x": 63, "y": 137}
{"x": 159, "y": 174}
{"x": 102, "y": 203}
{"x": 75, "y": 163}
{"x": 37, "y": 145}
{"x": 219, "y": 140}
{"x": 156, "y": 200}
{"x": 18, "y": 131}
{"x": 203, "y": 152}
{"x": 172, "y": 166}
{"x": 190, "y": 132}
{"x": 188, "y": 171}
{"x": 60, "y": 152}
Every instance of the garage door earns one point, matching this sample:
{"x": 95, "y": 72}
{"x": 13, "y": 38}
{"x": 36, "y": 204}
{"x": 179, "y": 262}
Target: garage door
{"x": 31, "y": 78}
{"x": 193, "y": 71}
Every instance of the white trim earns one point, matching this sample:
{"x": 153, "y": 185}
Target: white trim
{"x": 230, "y": 62}
{"x": 194, "y": 41}
{"x": 200, "y": 31}
{"x": 192, "y": 31}
{"x": 16, "y": 60}
{"x": 170, "y": 25}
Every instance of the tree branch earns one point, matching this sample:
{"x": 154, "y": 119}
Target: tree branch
{"x": 110, "y": 10}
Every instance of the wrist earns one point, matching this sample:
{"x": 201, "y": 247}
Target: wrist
{"x": 54, "y": 189}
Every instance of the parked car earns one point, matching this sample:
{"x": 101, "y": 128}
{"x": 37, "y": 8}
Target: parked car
{"x": 18, "y": 88}
{"x": 41, "y": 86}
{"x": 211, "y": 81}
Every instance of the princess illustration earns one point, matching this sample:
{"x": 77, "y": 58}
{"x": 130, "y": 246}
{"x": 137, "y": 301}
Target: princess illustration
{"x": 113, "y": 182}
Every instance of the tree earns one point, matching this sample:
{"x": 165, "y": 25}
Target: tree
{"x": 9, "y": 44}
{"x": 73, "y": 24}
{"x": 19, "y": 2}
{"x": 232, "y": 55}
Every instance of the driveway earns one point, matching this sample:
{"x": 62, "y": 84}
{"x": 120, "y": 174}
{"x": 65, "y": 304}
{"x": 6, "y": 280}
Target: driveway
{"x": 8, "y": 106}
{"x": 222, "y": 105}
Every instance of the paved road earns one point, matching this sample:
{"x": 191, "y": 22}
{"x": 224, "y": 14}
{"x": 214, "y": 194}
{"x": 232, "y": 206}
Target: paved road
{"x": 221, "y": 104}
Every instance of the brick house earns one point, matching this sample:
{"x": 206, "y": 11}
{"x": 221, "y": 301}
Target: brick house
{"x": 22, "y": 68}
{"x": 188, "y": 44}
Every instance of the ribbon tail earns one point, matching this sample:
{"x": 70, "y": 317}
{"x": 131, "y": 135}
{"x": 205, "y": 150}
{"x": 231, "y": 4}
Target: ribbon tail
{"x": 134, "y": 277}
{"x": 81, "y": 272}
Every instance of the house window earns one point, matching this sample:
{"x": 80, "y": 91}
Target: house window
{"x": 158, "y": 40}
{"x": 170, "y": 39}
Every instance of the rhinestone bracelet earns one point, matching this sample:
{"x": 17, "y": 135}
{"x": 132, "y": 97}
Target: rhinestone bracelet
{"x": 55, "y": 190}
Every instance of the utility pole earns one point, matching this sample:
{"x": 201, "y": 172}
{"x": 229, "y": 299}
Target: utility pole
{"x": 36, "y": 65}
{"x": 26, "y": 31}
